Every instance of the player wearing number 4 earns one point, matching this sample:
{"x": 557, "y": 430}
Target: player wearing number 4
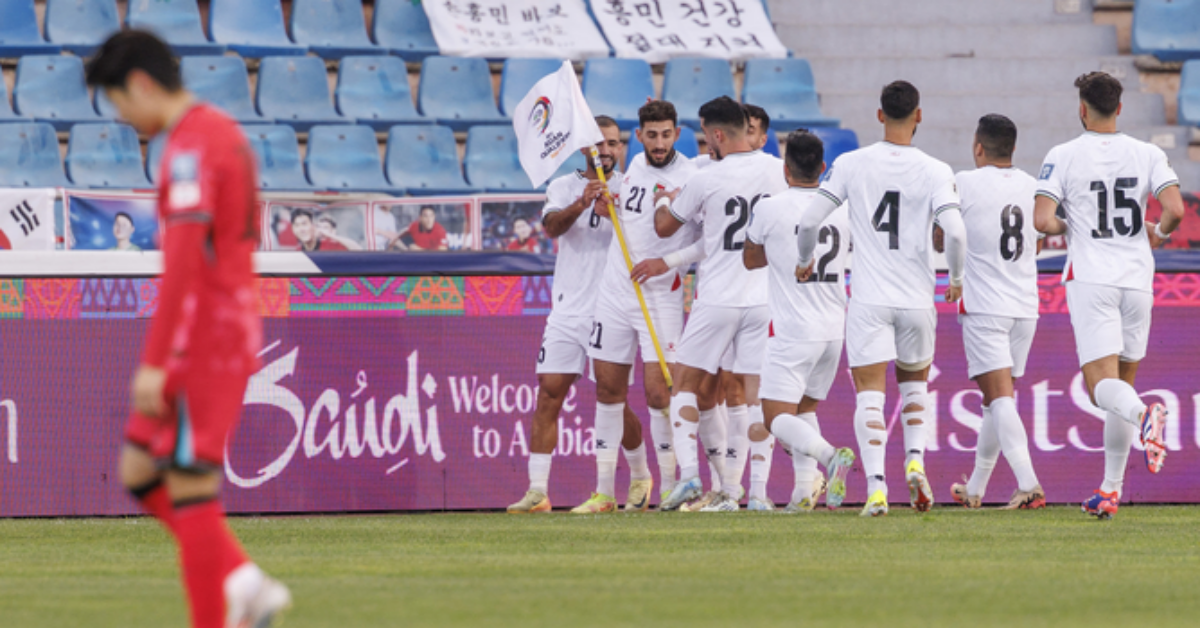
{"x": 1102, "y": 180}
{"x": 999, "y": 306}
{"x": 895, "y": 193}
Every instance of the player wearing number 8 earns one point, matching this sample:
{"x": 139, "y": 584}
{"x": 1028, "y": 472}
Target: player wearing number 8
{"x": 1102, "y": 180}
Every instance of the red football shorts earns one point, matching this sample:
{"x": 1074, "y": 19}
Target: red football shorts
{"x": 201, "y": 413}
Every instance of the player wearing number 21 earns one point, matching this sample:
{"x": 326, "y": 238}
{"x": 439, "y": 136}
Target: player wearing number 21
{"x": 1102, "y": 180}
{"x": 895, "y": 193}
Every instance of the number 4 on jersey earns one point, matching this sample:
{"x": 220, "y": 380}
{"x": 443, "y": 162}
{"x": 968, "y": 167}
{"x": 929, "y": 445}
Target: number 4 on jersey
{"x": 889, "y": 209}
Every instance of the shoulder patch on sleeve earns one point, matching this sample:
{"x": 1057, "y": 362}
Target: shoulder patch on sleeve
{"x": 1045, "y": 173}
{"x": 184, "y": 192}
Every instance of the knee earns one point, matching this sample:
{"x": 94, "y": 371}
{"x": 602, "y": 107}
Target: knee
{"x": 758, "y": 432}
{"x": 608, "y": 393}
{"x": 192, "y": 485}
{"x": 137, "y": 470}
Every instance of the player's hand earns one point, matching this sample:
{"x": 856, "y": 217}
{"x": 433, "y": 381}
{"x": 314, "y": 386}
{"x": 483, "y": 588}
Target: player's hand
{"x": 953, "y": 294}
{"x": 147, "y": 390}
{"x": 804, "y": 272}
{"x": 669, "y": 194}
{"x": 593, "y": 191}
{"x": 1155, "y": 241}
{"x": 648, "y": 268}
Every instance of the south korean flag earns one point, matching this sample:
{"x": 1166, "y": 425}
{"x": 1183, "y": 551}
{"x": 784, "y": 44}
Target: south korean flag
{"x": 27, "y": 220}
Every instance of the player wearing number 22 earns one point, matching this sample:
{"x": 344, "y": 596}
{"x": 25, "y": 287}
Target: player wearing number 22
{"x": 895, "y": 193}
{"x": 1102, "y": 180}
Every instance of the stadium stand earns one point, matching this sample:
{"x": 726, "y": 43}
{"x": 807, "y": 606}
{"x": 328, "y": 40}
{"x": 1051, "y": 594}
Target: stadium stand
{"x": 784, "y": 87}
{"x": 278, "y": 151}
{"x": 1189, "y": 93}
{"x": 251, "y": 28}
{"x": 837, "y": 141}
{"x": 423, "y": 159}
{"x": 1167, "y": 29}
{"x": 19, "y": 33}
{"x": 687, "y": 145}
{"x": 103, "y": 105}
{"x": 29, "y": 156}
{"x": 457, "y": 92}
{"x": 346, "y": 157}
{"x": 618, "y": 88}
{"x": 6, "y": 111}
{"x": 374, "y": 91}
{"x": 51, "y": 89}
{"x": 80, "y": 26}
{"x": 331, "y": 28}
{"x": 295, "y": 91}
{"x": 492, "y": 163}
{"x": 222, "y": 81}
{"x": 154, "y": 150}
{"x": 403, "y": 29}
{"x": 519, "y": 76}
{"x": 105, "y": 156}
{"x": 177, "y": 22}
{"x": 689, "y": 83}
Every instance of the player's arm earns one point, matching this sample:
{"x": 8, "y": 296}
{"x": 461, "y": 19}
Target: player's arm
{"x": 558, "y": 220}
{"x": 1173, "y": 209}
{"x": 810, "y": 225}
{"x": 654, "y": 267}
{"x": 1045, "y": 216}
{"x": 954, "y": 231}
{"x": 753, "y": 255}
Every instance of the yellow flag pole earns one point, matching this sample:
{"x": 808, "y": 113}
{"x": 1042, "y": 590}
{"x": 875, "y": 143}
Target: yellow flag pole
{"x": 637, "y": 287}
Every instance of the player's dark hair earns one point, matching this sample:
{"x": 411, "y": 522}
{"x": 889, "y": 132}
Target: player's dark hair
{"x": 131, "y": 50}
{"x": 326, "y": 218}
{"x": 723, "y": 112}
{"x": 302, "y": 211}
{"x": 657, "y": 111}
{"x": 425, "y": 207}
{"x": 124, "y": 215}
{"x": 1100, "y": 91}
{"x": 606, "y": 122}
{"x": 998, "y": 136}
{"x": 804, "y": 156}
{"x": 760, "y": 114}
{"x": 899, "y": 100}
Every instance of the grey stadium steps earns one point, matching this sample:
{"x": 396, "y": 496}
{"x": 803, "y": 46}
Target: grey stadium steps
{"x": 995, "y": 41}
{"x": 959, "y": 75}
{"x": 917, "y": 12}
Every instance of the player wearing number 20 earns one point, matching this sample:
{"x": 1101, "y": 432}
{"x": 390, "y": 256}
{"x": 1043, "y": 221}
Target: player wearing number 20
{"x": 1102, "y": 180}
{"x": 895, "y": 193}
{"x": 999, "y": 305}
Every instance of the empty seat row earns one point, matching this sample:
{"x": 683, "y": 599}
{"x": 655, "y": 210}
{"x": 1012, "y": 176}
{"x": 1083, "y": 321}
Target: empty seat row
{"x": 1189, "y": 93}
{"x": 252, "y": 28}
{"x": 1167, "y": 29}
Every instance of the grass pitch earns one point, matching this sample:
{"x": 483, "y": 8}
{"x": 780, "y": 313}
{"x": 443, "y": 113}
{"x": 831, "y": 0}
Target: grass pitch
{"x": 948, "y": 567}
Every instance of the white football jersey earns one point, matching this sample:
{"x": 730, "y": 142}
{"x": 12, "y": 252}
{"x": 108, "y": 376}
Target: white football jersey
{"x": 703, "y": 161}
{"x": 722, "y": 197}
{"x": 1000, "y": 275}
{"x": 1102, "y": 181}
{"x": 581, "y": 250}
{"x": 813, "y": 311}
{"x": 894, "y": 193}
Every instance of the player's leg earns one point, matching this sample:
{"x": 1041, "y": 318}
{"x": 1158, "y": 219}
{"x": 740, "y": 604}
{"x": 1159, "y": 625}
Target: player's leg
{"x": 870, "y": 345}
{"x": 1014, "y": 441}
{"x": 989, "y": 364}
{"x": 737, "y": 442}
{"x": 633, "y": 446}
{"x": 667, "y": 313}
{"x": 711, "y": 430}
{"x": 140, "y": 472}
{"x": 916, "y": 333}
{"x": 553, "y": 389}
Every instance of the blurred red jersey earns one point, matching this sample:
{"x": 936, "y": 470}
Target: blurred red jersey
{"x": 207, "y": 319}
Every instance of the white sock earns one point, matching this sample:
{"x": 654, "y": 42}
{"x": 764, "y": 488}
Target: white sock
{"x": 761, "y": 454}
{"x": 683, "y": 435}
{"x": 804, "y": 472}
{"x": 1116, "y": 396}
{"x": 869, "y": 409}
{"x": 737, "y": 445}
{"x": 610, "y": 425}
{"x": 1118, "y": 438}
{"x": 719, "y": 412}
{"x": 987, "y": 451}
{"x": 639, "y": 466}
{"x": 914, "y": 435}
{"x": 1014, "y": 442}
{"x": 802, "y": 438}
{"x": 539, "y": 472}
{"x": 664, "y": 449}
{"x": 712, "y": 434}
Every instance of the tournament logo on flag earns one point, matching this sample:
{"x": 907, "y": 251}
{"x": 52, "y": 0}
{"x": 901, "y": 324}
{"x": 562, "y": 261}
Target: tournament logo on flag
{"x": 548, "y": 133}
{"x": 539, "y": 118}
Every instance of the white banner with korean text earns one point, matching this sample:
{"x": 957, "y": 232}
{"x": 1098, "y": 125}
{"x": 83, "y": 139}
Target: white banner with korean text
{"x": 657, "y": 30}
{"x": 515, "y": 28}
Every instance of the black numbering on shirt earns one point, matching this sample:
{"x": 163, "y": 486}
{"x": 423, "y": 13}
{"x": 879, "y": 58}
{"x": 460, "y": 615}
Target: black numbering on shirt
{"x": 1012, "y": 243}
{"x": 828, "y": 235}
{"x": 738, "y": 206}
{"x": 597, "y": 332}
{"x": 889, "y": 205}
{"x": 542, "y": 354}
{"x": 1132, "y": 227}
{"x": 634, "y": 202}
{"x": 594, "y": 220}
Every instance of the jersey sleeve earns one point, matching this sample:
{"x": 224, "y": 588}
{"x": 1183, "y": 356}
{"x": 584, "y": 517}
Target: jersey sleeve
{"x": 556, "y": 196}
{"x": 944, "y": 195}
{"x": 760, "y": 223}
{"x": 690, "y": 203}
{"x": 836, "y": 180}
{"x": 1050, "y": 183}
{"x": 1162, "y": 176}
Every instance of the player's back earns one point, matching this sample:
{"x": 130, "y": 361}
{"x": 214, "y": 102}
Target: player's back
{"x": 1102, "y": 181}
{"x": 636, "y": 208}
{"x": 1000, "y": 275}
{"x": 894, "y": 193}
{"x": 209, "y": 175}
{"x": 581, "y": 250}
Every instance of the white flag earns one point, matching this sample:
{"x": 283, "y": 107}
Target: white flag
{"x": 27, "y": 219}
{"x": 551, "y": 122}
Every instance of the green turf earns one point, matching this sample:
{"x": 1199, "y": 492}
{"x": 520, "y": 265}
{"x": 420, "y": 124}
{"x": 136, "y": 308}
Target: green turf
{"x": 948, "y": 567}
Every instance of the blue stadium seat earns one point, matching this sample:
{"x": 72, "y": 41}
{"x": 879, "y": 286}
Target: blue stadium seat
{"x": 346, "y": 157}
{"x": 492, "y": 162}
{"x": 295, "y": 91}
{"x": 458, "y": 92}
{"x": 103, "y": 105}
{"x": 1189, "y": 93}
{"x": 154, "y": 151}
{"x": 686, "y": 144}
{"x": 224, "y": 82}
{"x": 176, "y": 21}
{"x": 402, "y": 27}
{"x": 50, "y": 88}
{"x": 29, "y": 156}
{"x": 837, "y": 141}
{"x": 784, "y": 87}
{"x": 19, "y": 35}
{"x": 6, "y": 110}
{"x": 332, "y": 28}
{"x": 1167, "y": 29}
{"x": 251, "y": 28}
{"x": 689, "y": 83}
{"x": 519, "y": 77}
{"x": 618, "y": 88}
{"x": 772, "y": 145}
{"x": 80, "y": 26}
{"x": 374, "y": 91}
{"x": 278, "y": 152}
{"x": 105, "y": 156}
{"x": 424, "y": 160}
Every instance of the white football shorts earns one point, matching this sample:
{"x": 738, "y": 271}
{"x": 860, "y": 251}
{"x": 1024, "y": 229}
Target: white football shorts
{"x": 564, "y": 345}
{"x": 996, "y": 342}
{"x": 876, "y": 333}
{"x": 1109, "y": 321}
{"x": 794, "y": 370}
{"x": 712, "y": 329}
{"x": 620, "y": 328}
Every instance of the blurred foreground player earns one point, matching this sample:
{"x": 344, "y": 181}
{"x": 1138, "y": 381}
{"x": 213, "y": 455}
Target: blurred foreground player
{"x": 1102, "y": 180}
{"x": 203, "y": 341}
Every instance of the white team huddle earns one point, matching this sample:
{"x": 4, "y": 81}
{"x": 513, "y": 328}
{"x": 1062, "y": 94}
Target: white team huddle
{"x": 762, "y": 345}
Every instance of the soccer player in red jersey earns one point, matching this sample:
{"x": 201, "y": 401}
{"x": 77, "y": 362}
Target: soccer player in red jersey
{"x": 204, "y": 339}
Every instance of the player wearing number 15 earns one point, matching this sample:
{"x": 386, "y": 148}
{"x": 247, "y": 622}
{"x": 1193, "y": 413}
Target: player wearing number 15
{"x": 1102, "y": 180}
{"x": 895, "y": 193}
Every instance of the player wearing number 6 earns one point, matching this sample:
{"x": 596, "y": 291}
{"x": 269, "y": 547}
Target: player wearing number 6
{"x": 895, "y": 193}
{"x": 1102, "y": 180}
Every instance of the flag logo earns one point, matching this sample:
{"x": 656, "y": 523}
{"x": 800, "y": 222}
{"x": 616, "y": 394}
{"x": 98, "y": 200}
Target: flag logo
{"x": 539, "y": 118}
